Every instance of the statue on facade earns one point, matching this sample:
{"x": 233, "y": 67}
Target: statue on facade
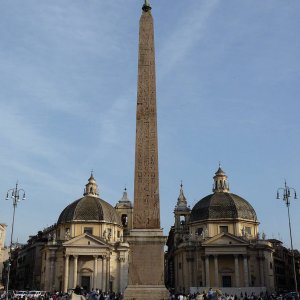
{"x": 54, "y": 238}
{"x": 67, "y": 234}
{"x": 205, "y": 232}
{"x": 243, "y": 232}
{"x": 202, "y": 235}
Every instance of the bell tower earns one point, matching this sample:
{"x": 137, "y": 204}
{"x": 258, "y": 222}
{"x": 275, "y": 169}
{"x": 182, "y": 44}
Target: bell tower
{"x": 146, "y": 239}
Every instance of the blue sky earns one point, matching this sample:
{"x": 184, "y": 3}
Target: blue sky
{"x": 228, "y": 90}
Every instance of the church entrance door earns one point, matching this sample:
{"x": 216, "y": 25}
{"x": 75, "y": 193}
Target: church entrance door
{"x": 85, "y": 283}
{"x": 226, "y": 281}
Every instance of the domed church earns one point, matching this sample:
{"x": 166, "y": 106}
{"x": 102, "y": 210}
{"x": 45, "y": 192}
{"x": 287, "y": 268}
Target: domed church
{"x": 86, "y": 246}
{"x": 217, "y": 244}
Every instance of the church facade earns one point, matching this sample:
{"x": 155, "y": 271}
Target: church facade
{"x": 217, "y": 244}
{"x": 86, "y": 247}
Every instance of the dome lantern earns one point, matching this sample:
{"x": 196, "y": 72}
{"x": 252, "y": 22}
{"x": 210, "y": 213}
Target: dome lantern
{"x": 91, "y": 188}
{"x": 220, "y": 182}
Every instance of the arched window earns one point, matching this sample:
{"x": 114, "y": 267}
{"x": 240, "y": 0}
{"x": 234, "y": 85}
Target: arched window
{"x": 124, "y": 220}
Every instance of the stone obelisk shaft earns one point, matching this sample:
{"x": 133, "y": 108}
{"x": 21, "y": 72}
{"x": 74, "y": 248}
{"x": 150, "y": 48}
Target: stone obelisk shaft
{"x": 146, "y": 239}
{"x": 146, "y": 184}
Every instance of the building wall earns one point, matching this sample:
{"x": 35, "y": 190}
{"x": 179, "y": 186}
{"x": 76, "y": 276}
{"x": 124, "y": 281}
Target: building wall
{"x": 3, "y": 250}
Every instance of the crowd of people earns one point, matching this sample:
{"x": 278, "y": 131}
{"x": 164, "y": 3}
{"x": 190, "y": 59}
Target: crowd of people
{"x": 97, "y": 294}
{"x": 77, "y": 294}
{"x": 218, "y": 295}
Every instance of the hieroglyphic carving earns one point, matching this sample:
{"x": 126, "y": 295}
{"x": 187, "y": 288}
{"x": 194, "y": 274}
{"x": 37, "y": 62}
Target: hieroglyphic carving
{"x": 146, "y": 185}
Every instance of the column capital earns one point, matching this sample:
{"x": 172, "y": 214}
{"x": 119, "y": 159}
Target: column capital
{"x": 95, "y": 256}
{"x": 75, "y": 256}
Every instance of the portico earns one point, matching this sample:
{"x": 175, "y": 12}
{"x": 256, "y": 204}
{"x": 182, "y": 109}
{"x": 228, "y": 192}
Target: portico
{"x": 89, "y": 262}
{"x": 92, "y": 278}
{"x": 223, "y": 275}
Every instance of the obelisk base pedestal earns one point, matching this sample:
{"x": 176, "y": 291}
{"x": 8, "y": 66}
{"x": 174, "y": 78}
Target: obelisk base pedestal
{"x": 146, "y": 292}
{"x": 146, "y": 265}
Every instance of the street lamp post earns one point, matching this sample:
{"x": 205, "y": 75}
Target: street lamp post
{"x": 13, "y": 194}
{"x": 286, "y": 194}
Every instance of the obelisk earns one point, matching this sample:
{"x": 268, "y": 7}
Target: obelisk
{"x": 146, "y": 239}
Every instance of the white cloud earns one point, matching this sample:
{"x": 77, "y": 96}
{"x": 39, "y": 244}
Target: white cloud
{"x": 190, "y": 29}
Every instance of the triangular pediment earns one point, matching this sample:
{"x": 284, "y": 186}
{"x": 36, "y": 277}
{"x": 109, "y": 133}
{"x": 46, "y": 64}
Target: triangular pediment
{"x": 86, "y": 240}
{"x": 225, "y": 239}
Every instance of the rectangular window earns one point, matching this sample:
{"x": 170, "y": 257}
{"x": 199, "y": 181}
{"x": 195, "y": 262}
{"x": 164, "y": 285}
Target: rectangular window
{"x": 223, "y": 229}
{"x": 88, "y": 230}
{"x": 248, "y": 230}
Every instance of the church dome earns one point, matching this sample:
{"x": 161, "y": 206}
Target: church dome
{"x": 89, "y": 208}
{"x": 222, "y": 204}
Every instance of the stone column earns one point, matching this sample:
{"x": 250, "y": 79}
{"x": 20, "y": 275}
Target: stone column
{"x": 207, "y": 280}
{"x": 66, "y": 278}
{"x": 100, "y": 272}
{"x": 52, "y": 270}
{"x": 176, "y": 269}
{"x": 104, "y": 273}
{"x": 75, "y": 270}
{"x": 95, "y": 271}
{"x": 203, "y": 271}
{"x": 246, "y": 273}
{"x": 107, "y": 272}
{"x": 236, "y": 271}
{"x": 121, "y": 264}
{"x": 193, "y": 271}
{"x": 216, "y": 271}
{"x": 261, "y": 271}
